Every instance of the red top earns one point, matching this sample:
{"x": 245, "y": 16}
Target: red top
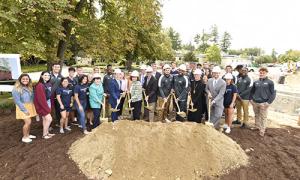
{"x": 40, "y": 101}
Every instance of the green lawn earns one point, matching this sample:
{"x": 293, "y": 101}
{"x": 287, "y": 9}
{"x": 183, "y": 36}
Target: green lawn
{"x": 6, "y": 101}
{"x": 34, "y": 68}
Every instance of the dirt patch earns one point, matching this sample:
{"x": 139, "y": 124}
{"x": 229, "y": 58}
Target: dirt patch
{"x": 140, "y": 150}
{"x": 276, "y": 156}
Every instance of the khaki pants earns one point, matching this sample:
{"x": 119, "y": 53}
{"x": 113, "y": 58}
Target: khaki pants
{"x": 149, "y": 115}
{"x": 261, "y": 113}
{"x": 242, "y": 105}
{"x": 163, "y": 114}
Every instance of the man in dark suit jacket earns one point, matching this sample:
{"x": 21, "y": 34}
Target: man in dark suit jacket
{"x": 154, "y": 72}
{"x": 150, "y": 87}
{"x": 114, "y": 90}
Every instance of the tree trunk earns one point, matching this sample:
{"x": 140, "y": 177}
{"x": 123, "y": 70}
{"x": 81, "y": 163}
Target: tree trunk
{"x": 62, "y": 44}
{"x": 128, "y": 64}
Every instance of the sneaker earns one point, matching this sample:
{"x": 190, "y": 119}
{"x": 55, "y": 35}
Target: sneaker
{"x": 228, "y": 130}
{"x": 167, "y": 120}
{"x": 225, "y": 126}
{"x": 86, "y": 132}
{"x": 75, "y": 119}
{"x": 32, "y": 136}
{"x": 46, "y": 137}
{"x": 51, "y": 135}
{"x": 26, "y": 140}
{"x": 61, "y": 131}
{"x": 79, "y": 126}
{"x": 236, "y": 122}
{"x": 68, "y": 128}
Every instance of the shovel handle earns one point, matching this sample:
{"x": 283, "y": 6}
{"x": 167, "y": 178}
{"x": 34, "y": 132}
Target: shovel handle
{"x": 176, "y": 101}
{"x": 208, "y": 110}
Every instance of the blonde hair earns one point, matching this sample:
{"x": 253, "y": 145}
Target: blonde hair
{"x": 19, "y": 86}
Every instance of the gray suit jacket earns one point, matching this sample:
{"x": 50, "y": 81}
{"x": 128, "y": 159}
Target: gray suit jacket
{"x": 216, "y": 92}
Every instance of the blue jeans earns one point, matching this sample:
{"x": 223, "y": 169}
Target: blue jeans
{"x": 81, "y": 114}
{"x": 96, "y": 112}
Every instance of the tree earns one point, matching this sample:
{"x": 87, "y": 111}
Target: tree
{"x": 110, "y": 30}
{"x": 190, "y": 57}
{"x": 225, "y": 42}
{"x": 202, "y": 41}
{"x": 214, "y": 34}
{"x": 290, "y": 55}
{"x": 175, "y": 39}
{"x": 213, "y": 54}
{"x": 188, "y": 47}
{"x": 274, "y": 55}
{"x": 264, "y": 59}
{"x": 246, "y": 52}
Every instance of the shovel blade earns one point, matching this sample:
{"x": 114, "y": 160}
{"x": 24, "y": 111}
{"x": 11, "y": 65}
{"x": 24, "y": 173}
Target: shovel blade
{"x": 193, "y": 110}
{"x": 209, "y": 124}
{"x": 115, "y": 110}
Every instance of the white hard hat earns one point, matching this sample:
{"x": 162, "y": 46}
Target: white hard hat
{"x": 182, "y": 67}
{"x": 198, "y": 71}
{"x": 149, "y": 69}
{"x": 117, "y": 71}
{"x": 216, "y": 69}
{"x": 135, "y": 73}
{"x": 228, "y": 76}
{"x": 96, "y": 75}
{"x": 167, "y": 66}
{"x": 143, "y": 67}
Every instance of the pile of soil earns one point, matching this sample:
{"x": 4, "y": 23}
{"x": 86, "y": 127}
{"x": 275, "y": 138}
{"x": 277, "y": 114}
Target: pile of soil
{"x": 141, "y": 150}
{"x": 276, "y": 156}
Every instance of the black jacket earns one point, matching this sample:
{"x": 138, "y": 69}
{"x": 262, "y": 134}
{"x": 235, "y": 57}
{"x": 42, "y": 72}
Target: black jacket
{"x": 157, "y": 75}
{"x": 151, "y": 89}
{"x": 181, "y": 87}
{"x": 198, "y": 94}
{"x": 263, "y": 91}
{"x": 165, "y": 85}
{"x": 243, "y": 86}
{"x": 106, "y": 80}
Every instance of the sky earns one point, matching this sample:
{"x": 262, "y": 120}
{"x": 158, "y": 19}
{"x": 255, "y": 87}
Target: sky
{"x": 266, "y": 24}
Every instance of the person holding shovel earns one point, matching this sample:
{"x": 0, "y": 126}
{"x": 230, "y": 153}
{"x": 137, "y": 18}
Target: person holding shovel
{"x": 150, "y": 89}
{"x": 181, "y": 89}
{"x": 114, "y": 90}
{"x": 196, "y": 109}
{"x": 96, "y": 92}
{"x": 136, "y": 92}
{"x": 165, "y": 85}
{"x": 262, "y": 94}
{"x": 215, "y": 90}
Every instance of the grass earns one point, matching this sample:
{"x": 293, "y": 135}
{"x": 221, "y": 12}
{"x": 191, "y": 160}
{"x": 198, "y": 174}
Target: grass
{"x": 34, "y": 68}
{"x": 6, "y": 101}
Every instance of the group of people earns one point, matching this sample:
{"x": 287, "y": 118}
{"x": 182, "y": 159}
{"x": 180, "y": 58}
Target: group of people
{"x": 195, "y": 92}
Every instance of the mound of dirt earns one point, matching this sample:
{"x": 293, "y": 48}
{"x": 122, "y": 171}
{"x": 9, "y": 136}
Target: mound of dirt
{"x": 140, "y": 150}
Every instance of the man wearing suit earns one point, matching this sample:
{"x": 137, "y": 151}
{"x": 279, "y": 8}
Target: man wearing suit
{"x": 114, "y": 90}
{"x": 215, "y": 89}
{"x": 155, "y": 73}
{"x": 150, "y": 87}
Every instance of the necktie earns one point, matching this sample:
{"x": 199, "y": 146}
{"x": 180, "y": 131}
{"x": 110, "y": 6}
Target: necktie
{"x": 120, "y": 84}
{"x": 215, "y": 82}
